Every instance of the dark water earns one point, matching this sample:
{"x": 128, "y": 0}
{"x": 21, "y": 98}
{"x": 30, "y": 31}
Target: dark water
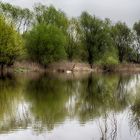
{"x": 70, "y": 107}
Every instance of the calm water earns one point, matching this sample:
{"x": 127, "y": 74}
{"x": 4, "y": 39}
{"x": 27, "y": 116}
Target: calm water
{"x": 70, "y": 107}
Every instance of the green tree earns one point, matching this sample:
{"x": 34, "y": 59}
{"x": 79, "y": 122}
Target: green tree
{"x": 97, "y": 40}
{"x": 74, "y": 47}
{"x": 50, "y": 15}
{"x": 122, "y": 37}
{"x": 45, "y": 44}
{"x": 10, "y": 44}
{"x": 21, "y": 18}
{"x": 136, "y": 28}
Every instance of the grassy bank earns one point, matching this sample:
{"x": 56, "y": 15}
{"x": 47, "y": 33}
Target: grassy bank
{"x": 69, "y": 67}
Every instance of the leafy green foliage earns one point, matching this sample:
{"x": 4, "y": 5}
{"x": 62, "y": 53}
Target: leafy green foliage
{"x": 17, "y": 16}
{"x": 49, "y": 15}
{"x": 137, "y": 28}
{"x": 10, "y": 43}
{"x": 74, "y": 46}
{"x": 136, "y": 46}
{"x": 51, "y": 36}
{"x": 45, "y": 44}
{"x": 122, "y": 40}
{"x": 96, "y": 38}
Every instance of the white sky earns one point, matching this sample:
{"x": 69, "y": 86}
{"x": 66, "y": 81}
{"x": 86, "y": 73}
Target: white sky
{"x": 125, "y": 10}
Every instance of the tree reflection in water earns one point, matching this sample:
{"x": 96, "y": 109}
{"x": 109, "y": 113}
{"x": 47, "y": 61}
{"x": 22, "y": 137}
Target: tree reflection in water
{"x": 47, "y": 101}
{"x": 135, "y": 108}
{"x": 13, "y": 113}
{"x": 48, "y": 97}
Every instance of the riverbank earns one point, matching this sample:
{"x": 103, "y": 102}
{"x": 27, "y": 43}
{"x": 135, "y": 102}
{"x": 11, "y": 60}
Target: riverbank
{"x": 69, "y": 67}
{"x": 61, "y": 67}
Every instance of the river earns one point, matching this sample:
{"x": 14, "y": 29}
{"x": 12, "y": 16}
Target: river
{"x": 70, "y": 106}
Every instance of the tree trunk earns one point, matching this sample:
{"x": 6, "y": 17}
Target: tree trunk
{"x": 2, "y": 69}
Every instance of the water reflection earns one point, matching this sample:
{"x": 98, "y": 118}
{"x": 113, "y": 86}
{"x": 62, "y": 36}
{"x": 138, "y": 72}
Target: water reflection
{"x": 44, "y": 103}
{"x": 11, "y": 104}
{"x": 135, "y": 115}
{"x": 47, "y": 97}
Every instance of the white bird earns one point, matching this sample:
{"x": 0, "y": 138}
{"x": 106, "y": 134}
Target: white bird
{"x": 68, "y": 71}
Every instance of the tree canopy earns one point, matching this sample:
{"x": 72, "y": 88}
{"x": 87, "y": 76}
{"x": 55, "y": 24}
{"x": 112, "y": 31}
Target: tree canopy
{"x": 97, "y": 39}
{"x": 51, "y": 36}
{"x": 136, "y": 28}
{"x": 45, "y": 44}
{"x": 122, "y": 40}
{"x": 10, "y": 43}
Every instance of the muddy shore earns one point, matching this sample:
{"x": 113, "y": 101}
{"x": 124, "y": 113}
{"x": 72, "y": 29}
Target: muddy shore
{"x": 69, "y": 67}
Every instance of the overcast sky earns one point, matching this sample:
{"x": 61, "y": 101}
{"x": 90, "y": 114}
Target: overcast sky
{"x": 123, "y": 10}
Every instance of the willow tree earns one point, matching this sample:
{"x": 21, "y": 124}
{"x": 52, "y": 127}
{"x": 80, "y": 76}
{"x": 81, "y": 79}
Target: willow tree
{"x": 122, "y": 37}
{"x": 10, "y": 44}
{"x": 50, "y": 15}
{"x": 97, "y": 40}
{"x": 136, "y": 28}
{"x": 74, "y": 47}
{"x": 21, "y": 18}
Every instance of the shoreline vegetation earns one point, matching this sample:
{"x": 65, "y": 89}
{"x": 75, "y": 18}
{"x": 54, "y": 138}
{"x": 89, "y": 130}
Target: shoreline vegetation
{"x": 72, "y": 67}
{"x": 44, "y": 39}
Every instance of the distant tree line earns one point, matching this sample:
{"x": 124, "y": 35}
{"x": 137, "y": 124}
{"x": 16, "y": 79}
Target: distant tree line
{"x": 46, "y": 35}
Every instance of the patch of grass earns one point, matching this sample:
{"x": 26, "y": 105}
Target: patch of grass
{"x": 20, "y": 70}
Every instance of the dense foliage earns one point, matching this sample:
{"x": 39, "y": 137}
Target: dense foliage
{"x": 10, "y": 44}
{"x": 45, "y": 44}
{"x": 122, "y": 40}
{"x": 97, "y": 40}
{"x": 50, "y": 36}
{"x": 137, "y": 40}
{"x": 20, "y": 18}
